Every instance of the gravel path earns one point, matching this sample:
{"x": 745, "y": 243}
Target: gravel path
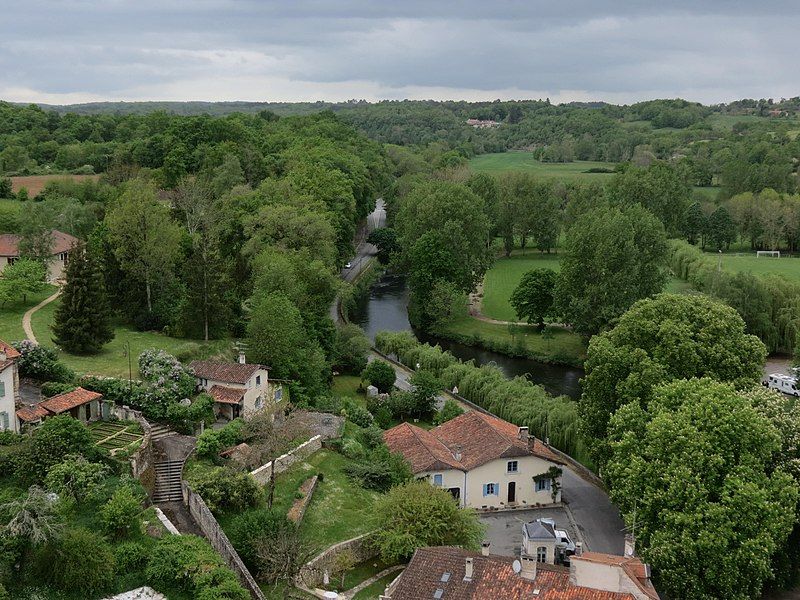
{"x": 26, "y": 318}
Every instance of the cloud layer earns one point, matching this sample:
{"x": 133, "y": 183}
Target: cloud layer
{"x": 64, "y": 51}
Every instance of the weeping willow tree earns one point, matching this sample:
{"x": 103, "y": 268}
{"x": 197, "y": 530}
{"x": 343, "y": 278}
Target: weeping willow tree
{"x": 517, "y": 400}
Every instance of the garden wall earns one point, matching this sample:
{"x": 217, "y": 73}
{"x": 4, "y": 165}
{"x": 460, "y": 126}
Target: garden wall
{"x": 362, "y": 548}
{"x": 283, "y": 462}
{"x": 218, "y": 540}
{"x": 142, "y": 463}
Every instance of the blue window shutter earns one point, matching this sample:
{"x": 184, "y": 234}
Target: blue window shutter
{"x": 485, "y": 487}
{"x": 496, "y": 489}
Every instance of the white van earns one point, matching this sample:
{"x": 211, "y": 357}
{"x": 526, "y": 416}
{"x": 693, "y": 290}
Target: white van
{"x": 783, "y": 383}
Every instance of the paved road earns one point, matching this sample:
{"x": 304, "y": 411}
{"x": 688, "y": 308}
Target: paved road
{"x": 598, "y": 519}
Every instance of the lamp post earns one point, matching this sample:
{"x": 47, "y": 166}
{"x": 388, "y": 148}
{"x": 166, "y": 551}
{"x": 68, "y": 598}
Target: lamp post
{"x": 126, "y": 351}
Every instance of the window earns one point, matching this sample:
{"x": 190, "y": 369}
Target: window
{"x": 278, "y": 394}
{"x": 491, "y": 489}
{"x": 2, "y": 389}
{"x": 258, "y": 379}
{"x": 513, "y": 466}
{"x": 543, "y": 485}
{"x": 541, "y": 554}
{"x": 259, "y": 402}
{"x": 4, "y": 420}
{"x": 437, "y": 480}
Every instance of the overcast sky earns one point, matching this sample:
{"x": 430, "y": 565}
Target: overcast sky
{"x": 66, "y": 51}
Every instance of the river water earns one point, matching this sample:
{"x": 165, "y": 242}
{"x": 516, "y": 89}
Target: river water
{"x": 385, "y": 310}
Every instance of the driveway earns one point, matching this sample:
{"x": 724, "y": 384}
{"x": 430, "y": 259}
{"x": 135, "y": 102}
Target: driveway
{"x": 504, "y": 529}
{"x": 598, "y": 519}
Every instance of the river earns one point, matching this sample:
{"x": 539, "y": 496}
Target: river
{"x": 385, "y": 310}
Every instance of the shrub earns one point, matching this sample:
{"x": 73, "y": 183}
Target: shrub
{"x": 352, "y": 449}
{"x": 75, "y": 477}
{"x": 212, "y": 441}
{"x": 120, "y": 515}
{"x": 78, "y": 561}
{"x": 357, "y": 414}
{"x": 9, "y": 438}
{"x": 450, "y": 410}
{"x": 130, "y": 557}
{"x": 56, "y": 437}
{"x": 380, "y": 374}
{"x": 225, "y": 489}
{"x": 383, "y": 417}
{"x": 371, "y": 437}
{"x": 38, "y": 362}
{"x": 248, "y": 530}
{"x": 53, "y": 388}
{"x": 380, "y": 470}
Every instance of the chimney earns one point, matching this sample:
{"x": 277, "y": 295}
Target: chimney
{"x": 242, "y": 358}
{"x": 578, "y": 548}
{"x": 468, "y": 570}
{"x": 523, "y": 434}
{"x": 457, "y": 452}
{"x": 485, "y": 547}
{"x": 630, "y": 545}
{"x": 3, "y": 356}
{"x": 528, "y": 567}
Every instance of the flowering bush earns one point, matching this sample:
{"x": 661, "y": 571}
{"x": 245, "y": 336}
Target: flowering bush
{"x": 41, "y": 363}
{"x": 166, "y": 371}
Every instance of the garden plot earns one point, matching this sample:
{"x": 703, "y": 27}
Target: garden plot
{"x": 116, "y": 435}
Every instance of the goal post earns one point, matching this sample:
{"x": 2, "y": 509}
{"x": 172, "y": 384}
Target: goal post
{"x": 768, "y": 253}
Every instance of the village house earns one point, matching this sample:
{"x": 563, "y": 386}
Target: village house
{"x": 448, "y": 573}
{"x": 9, "y": 387}
{"x": 482, "y": 123}
{"x": 81, "y": 404}
{"x": 238, "y": 388}
{"x": 483, "y": 461}
{"x": 61, "y": 244}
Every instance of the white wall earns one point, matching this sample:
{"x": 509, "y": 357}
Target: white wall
{"x": 252, "y": 390}
{"x": 451, "y": 478}
{"x": 7, "y": 404}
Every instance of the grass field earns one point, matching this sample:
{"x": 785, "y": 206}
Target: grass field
{"x": 524, "y": 161}
{"x": 35, "y": 183}
{"x": 111, "y": 361}
{"x": 11, "y": 315}
{"x": 785, "y": 266}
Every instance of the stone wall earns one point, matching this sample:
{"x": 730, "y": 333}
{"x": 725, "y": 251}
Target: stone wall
{"x": 142, "y": 462}
{"x": 362, "y": 547}
{"x": 218, "y": 540}
{"x": 263, "y": 473}
{"x": 299, "y": 507}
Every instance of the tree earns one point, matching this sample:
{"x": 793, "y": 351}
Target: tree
{"x": 426, "y": 387}
{"x": 415, "y": 514}
{"x": 532, "y": 299}
{"x": 79, "y": 561}
{"x": 721, "y": 229}
{"x": 351, "y": 349}
{"x": 615, "y": 256}
{"x": 449, "y": 411}
{"x": 6, "y": 190}
{"x": 385, "y": 239}
{"x": 695, "y": 223}
{"x": 380, "y": 374}
{"x": 700, "y": 457}
{"x": 659, "y": 340}
{"x": 21, "y": 279}
{"x": 120, "y": 515}
{"x": 81, "y": 323}
{"x": 34, "y": 517}
{"x": 145, "y": 239}
{"x": 57, "y": 437}
{"x": 75, "y": 477}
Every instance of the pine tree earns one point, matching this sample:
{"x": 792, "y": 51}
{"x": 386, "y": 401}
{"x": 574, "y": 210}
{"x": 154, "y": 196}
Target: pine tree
{"x": 82, "y": 320}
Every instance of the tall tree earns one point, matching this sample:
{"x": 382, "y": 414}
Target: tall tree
{"x": 145, "y": 239}
{"x": 721, "y": 229}
{"x": 532, "y": 299}
{"x": 82, "y": 320}
{"x": 615, "y": 256}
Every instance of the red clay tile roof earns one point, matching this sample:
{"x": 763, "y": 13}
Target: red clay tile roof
{"x": 634, "y": 568}
{"x": 229, "y": 372}
{"x": 69, "y": 400}
{"x": 493, "y": 578}
{"x": 226, "y": 395}
{"x": 10, "y": 352}
{"x": 420, "y": 448}
{"x": 31, "y": 414}
{"x": 61, "y": 242}
{"x": 478, "y": 437}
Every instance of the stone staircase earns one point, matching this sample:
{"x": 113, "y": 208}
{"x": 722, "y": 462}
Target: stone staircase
{"x": 158, "y": 431}
{"x": 168, "y": 481}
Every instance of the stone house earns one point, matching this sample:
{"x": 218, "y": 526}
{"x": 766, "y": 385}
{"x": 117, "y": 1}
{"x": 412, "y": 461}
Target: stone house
{"x": 61, "y": 244}
{"x": 80, "y": 403}
{"x": 485, "y": 462}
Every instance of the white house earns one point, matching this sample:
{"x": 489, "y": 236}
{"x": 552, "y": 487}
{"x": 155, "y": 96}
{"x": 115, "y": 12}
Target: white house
{"x": 483, "y": 461}
{"x": 60, "y": 245}
{"x": 9, "y": 387}
{"x": 238, "y": 388}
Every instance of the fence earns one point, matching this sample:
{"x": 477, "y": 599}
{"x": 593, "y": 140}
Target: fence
{"x": 263, "y": 473}
{"x": 219, "y": 541}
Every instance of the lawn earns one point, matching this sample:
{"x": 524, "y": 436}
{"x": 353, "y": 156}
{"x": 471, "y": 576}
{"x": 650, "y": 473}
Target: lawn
{"x": 346, "y": 386}
{"x": 524, "y": 161}
{"x": 11, "y": 315}
{"x": 111, "y": 360}
{"x": 784, "y": 266}
{"x": 374, "y": 591}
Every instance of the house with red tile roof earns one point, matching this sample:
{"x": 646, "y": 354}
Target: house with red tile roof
{"x": 9, "y": 387}
{"x": 60, "y": 245}
{"x": 80, "y": 403}
{"x": 483, "y": 461}
{"x": 238, "y": 388}
{"x": 447, "y": 573}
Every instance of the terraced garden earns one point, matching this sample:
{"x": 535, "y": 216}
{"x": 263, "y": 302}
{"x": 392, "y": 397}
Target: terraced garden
{"x": 116, "y": 435}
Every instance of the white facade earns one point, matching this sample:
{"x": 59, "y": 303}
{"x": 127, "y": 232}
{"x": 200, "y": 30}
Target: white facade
{"x": 500, "y": 483}
{"x": 9, "y": 386}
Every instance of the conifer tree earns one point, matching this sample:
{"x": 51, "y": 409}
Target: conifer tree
{"x": 82, "y": 320}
